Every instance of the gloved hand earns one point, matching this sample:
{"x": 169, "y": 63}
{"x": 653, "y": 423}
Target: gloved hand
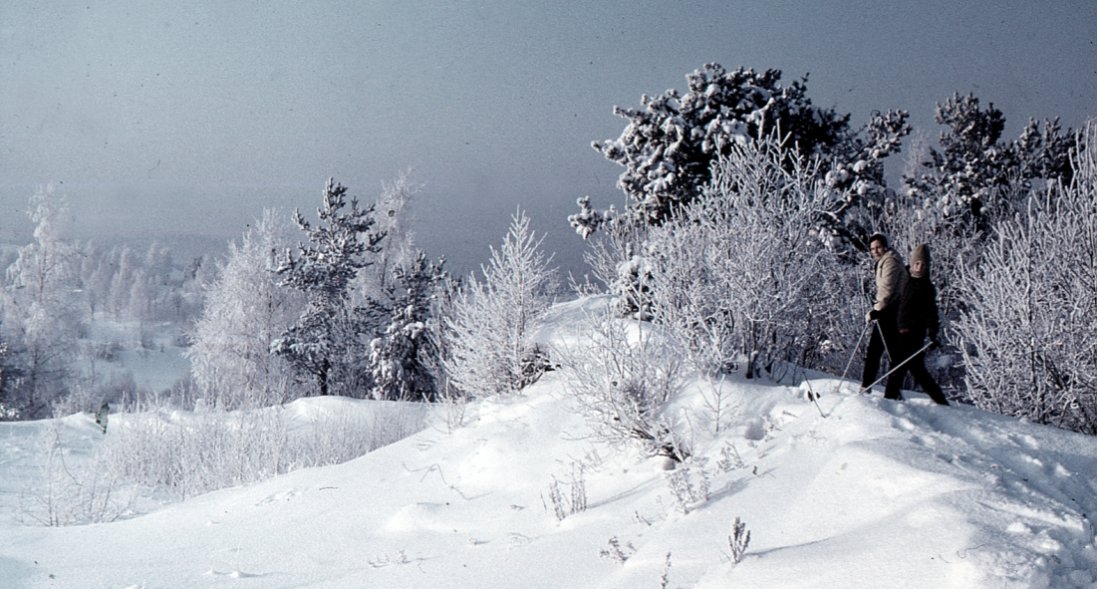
{"x": 934, "y": 343}
{"x": 873, "y": 315}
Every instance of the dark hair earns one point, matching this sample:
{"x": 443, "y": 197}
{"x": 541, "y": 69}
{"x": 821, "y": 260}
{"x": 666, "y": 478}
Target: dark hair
{"x": 878, "y": 237}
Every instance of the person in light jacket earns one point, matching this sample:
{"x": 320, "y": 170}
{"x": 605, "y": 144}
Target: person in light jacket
{"x": 891, "y": 279}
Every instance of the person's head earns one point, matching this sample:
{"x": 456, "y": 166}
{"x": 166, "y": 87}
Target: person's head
{"x": 919, "y": 261}
{"x": 877, "y": 245}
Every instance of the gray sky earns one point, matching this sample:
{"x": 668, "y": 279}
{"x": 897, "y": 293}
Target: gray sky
{"x": 181, "y": 117}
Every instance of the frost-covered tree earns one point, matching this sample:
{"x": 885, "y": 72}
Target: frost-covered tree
{"x": 742, "y": 272}
{"x": 394, "y": 220}
{"x": 404, "y": 358}
{"x": 124, "y": 263}
{"x": 245, "y": 311}
{"x": 326, "y": 341}
{"x": 494, "y": 317}
{"x": 670, "y": 143}
{"x": 41, "y": 305}
{"x": 9, "y": 375}
{"x": 1028, "y": 334}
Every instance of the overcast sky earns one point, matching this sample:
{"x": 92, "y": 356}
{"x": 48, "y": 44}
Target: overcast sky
{"x": 194, "y": 116}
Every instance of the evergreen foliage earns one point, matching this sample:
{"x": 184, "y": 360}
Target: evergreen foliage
{"x": 671, "y": 142}
{"x": 975, "y": 175}
{"x": 405, "y": 357}
{"x": 326, "y": 341}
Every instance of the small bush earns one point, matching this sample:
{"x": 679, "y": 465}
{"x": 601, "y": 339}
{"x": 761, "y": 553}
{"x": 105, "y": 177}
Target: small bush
{"x": 738, "y": 541}
{"x": 624, "y": 385}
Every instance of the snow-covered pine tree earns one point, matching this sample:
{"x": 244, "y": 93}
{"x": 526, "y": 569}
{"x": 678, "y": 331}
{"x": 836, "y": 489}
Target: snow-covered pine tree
{"x": 670, "y": 143}
{"x": 494, "y": 317}
{"x": 326, "y": 342}
{"x": 404, "y": 357}
{"x": 245, "y": 310}
{"x": 1028, "y": 335}
{"x": 975, "y": 176}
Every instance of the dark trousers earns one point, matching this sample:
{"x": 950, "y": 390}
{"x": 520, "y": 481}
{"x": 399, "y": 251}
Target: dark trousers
{"x": 909, "y": 344}
{"x": 884, "y": 339}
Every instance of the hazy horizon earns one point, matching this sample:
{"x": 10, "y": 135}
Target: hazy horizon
{"x": 191, "y": 119}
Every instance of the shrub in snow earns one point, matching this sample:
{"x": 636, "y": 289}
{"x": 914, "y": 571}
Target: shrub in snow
{"x": 245, "y": 311}
{"x": 624, "y": 379}
{"x": 193, "y": 453}
{"x": 1029, "y": 339}
{"x": 690, "y": 484}
{"x": 616, "y": 552}
{"x": 576, "y": 499}
{"x": 492, "y": 319}
{"x": 742, "y": 273}
{"x": 664, "y": 578}
{"x": 738, "y": 541}
{"x": 326, "y": 342}
{"x": 67, "y": 494}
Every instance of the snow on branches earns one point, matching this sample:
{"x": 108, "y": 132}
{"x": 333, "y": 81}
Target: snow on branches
{"x": 1029, "y": 339}
{"x": 670, "y": 143}
{"x": 326, "y": 340}
{"x": 493, "y": 318}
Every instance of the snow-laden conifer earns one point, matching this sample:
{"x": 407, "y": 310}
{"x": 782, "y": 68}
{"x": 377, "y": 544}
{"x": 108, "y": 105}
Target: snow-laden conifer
{"x": 326, "y": 342}
{"x": 974, "y": 175}
{"x": 404, "y": 357}
{"x": 670, "y": 143}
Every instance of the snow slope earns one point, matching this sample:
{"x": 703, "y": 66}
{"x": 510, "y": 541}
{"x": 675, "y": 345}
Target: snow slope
{"x": 874, "y": 494}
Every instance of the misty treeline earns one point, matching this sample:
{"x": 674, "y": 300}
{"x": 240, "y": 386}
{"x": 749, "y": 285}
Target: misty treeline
{"x": 69, "y": 310}
{"x": 741, "y": 241}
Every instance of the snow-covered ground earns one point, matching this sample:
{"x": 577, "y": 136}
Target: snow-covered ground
{"x": 857, "y": 492}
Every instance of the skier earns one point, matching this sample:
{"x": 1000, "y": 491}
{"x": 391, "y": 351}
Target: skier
{"x": 891, "y": 279}
{"x": 917, "y": 318}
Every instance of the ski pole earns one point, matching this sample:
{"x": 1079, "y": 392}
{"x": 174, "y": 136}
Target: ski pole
{"x": 851, "y": 356}
{"x": 897, "y": 366}
{"x": 883, "y": 340}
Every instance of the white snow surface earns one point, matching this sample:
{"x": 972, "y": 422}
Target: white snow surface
{"x": 857, "y": 492}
